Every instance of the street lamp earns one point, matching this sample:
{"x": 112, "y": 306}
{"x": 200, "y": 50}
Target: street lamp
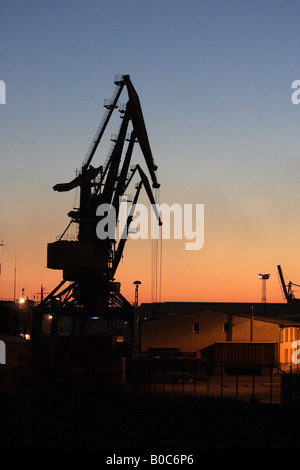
{"x": 136, "y": 283}
{"x": 21, "y": 303}
{"x": 136, "y": 322}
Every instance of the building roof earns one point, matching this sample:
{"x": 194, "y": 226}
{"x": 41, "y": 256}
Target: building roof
{"x": 10, "y": 339}
{"x": 260, "y": 317}
{"x": 276, "y": 310}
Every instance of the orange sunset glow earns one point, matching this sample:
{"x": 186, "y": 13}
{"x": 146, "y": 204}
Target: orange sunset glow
{"x": 220, "y": 135}
{"x": 150, "y": 228}
{"x": 225, "y": 269}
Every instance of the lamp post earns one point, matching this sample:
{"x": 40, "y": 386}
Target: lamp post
{"x": 136, "y": 322}
{"x": 263, "y": 278}
{"x": 21, "y": 305}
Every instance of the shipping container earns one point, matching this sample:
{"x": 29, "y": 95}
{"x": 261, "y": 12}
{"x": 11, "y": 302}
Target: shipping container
{"x": 241, "y": 357}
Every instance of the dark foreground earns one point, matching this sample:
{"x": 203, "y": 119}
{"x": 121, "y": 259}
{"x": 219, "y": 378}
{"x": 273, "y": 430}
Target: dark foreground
{"x": 67, "y": 415}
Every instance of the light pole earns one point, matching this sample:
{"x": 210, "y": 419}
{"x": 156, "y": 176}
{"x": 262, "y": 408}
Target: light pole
{"x": 263, "y": 278}
{"x": 21, "y": 305}
{"x": 136, "y": 322}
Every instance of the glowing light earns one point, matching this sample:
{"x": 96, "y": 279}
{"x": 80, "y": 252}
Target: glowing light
{"x": 120, "y": 339}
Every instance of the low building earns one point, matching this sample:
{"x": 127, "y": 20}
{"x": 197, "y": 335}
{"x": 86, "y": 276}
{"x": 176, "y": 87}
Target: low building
{"x": 289, "y": 344}
{"x": 245, "y": 338}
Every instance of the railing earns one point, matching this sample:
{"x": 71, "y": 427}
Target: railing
{"x": 263, "y": 384}
{"x": 67, "y": 237}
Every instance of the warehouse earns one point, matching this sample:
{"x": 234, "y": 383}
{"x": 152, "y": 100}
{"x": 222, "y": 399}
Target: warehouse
{"x": 246, "y": 338}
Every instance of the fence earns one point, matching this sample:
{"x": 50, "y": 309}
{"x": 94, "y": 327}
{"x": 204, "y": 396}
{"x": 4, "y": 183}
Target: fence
{"x": 259, "y": 383}
{"x": 264, "y": 383}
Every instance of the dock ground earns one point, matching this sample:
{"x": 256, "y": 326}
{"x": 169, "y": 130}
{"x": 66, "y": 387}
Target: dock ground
{"x": 91, "y": 416}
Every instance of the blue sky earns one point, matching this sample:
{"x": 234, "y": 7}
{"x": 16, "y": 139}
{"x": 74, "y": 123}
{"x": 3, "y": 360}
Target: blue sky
{"x": 214, "y": 79}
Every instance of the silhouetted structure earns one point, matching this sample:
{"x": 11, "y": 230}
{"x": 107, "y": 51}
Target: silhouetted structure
{"x": 287, "y": 289}
{"x": 263, "y": 278}
{"x": 89, "y": 264}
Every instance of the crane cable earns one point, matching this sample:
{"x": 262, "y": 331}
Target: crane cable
{"x": 156, "y": 261}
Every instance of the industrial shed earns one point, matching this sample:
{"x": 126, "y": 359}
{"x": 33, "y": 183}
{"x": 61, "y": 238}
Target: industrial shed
{"x": 235, "y": 338}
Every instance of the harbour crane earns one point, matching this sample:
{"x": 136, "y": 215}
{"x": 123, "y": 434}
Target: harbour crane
{"x": 89, "y": 264}
{"x": 287, "y": 289}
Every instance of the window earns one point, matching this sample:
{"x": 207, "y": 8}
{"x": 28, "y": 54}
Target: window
{"x": 196, "y": 328}
{"x": 286, "y": 335}
{"x": 286, "y": 356}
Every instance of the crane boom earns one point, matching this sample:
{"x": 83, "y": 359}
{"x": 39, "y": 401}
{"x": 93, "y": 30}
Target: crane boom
{"x": 140, "y": 129}
{"x": 283, "y": 283}
{"x": 100, "y": 131}
{"x": 288, "y": 292}
{"x": 136, "y": 116}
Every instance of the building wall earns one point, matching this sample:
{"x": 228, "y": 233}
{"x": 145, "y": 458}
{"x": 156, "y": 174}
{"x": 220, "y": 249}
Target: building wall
{"x": 245, "y": 329}
{"x": 179, "y": 332}
{"x": 287, "y": 336}
{"x": 195, "y": 331}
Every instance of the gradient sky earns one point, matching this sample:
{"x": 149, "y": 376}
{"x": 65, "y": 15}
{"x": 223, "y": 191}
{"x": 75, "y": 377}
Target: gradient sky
{"x": 214, "y": 80}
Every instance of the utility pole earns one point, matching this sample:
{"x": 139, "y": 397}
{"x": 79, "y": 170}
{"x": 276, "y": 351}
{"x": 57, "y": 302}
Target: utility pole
{"x": 136, "y": 323}
{"x": 41, "y": 293}
{"x": 251, "y": 324}
{"x": 15, "y": 278}
{"x": 1, "y": 244}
